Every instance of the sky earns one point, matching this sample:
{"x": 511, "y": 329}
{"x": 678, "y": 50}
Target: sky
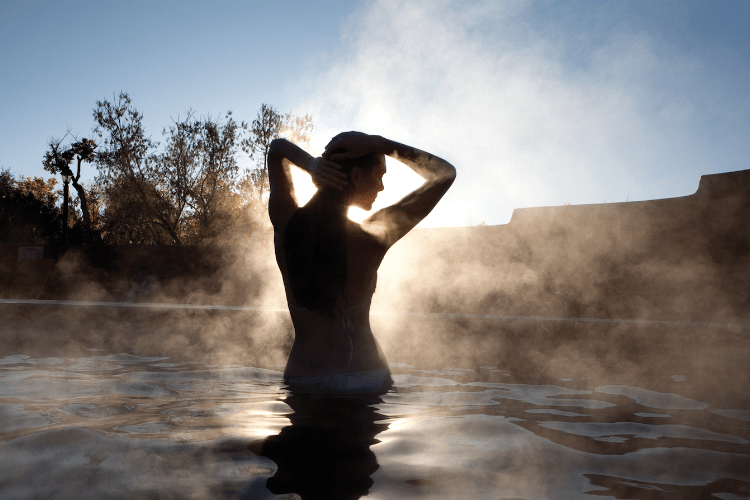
{"x": 535, "y": 102}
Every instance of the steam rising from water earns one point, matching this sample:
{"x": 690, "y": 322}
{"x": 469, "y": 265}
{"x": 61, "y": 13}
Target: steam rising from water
{"x": 682, "y": 260}
{"x": 534, "y": 103}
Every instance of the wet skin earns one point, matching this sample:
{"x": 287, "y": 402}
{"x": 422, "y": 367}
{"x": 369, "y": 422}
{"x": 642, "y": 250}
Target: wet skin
{"x": 320, "y": 347}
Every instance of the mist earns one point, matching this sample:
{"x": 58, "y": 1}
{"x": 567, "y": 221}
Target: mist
{"x": 607, "y": 284}
{"x": 604, "y": 290}
{"x": 535, "y": 104}
{"x": 218, "y": 303}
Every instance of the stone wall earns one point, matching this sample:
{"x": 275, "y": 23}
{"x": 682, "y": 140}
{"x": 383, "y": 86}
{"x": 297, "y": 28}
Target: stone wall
{"x": 684, "y": 259}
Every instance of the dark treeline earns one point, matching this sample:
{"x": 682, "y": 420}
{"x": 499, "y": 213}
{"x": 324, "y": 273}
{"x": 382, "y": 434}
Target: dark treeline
{"x": 188, "y": 189}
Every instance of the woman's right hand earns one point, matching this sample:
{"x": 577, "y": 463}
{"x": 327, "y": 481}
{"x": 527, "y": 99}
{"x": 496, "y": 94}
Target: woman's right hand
{"x": 326, "y": 173}
{"x": 355, "y": 144}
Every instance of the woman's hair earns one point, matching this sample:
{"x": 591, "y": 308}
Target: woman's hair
{"x": 315, "y": 243}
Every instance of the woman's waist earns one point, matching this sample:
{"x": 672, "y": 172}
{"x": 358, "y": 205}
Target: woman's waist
{"x": 304, "y": 319}
{"x": 350, "y": 307}
{"x": 374, "y": 381}
{"x": 356, "y": 331}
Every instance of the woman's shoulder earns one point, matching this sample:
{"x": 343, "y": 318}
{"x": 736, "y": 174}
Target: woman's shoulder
{"x": 362, "y": 235}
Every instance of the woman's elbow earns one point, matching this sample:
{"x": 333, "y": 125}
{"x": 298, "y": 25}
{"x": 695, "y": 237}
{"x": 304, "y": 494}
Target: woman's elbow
{"x": 450, "y": 174}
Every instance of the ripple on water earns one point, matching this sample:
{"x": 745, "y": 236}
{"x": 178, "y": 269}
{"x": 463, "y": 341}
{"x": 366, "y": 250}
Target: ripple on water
{"x": 110, "y": 424}
{"x": 15, "y": 416}
{"x": 92, "y": 410}
{"x": 736, "y": 414}
{"x": 628, "y": 430}
{"x": 653, "y": 399}
{"x": 160, "y": 428}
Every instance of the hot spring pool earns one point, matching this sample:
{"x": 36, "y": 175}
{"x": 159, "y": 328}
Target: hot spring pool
{"x": 112, "y": 425}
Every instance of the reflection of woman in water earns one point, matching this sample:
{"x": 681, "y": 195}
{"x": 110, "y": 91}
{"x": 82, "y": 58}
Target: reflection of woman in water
{"x": 329, "y": 263}
{"x": 325, "y": 452}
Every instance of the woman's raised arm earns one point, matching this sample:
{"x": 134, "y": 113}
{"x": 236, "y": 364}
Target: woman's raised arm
{"x": 392, "y": 223}
{"x": 282, "y": 203}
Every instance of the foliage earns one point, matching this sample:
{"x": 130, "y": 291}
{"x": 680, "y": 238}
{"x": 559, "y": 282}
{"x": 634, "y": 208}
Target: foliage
{"x": 28, "y": 211}
{"x": 187, "y": 190}
{"x": 57, "y": 161}
{"x": 40, "y": 189}
{"x": 198, "y": 169}
{"x": 187, "y": 193}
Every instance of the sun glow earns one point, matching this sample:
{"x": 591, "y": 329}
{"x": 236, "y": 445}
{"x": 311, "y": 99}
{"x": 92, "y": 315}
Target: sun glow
{"x": 399, "y": 181}
{"x": 304, "y": 189}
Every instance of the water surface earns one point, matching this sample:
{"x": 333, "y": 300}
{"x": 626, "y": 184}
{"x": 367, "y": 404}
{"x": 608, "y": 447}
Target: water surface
{"x": 109, "y": 425}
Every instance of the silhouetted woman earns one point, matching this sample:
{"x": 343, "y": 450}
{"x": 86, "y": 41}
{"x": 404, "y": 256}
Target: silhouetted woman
{"x": 329, "y": 263}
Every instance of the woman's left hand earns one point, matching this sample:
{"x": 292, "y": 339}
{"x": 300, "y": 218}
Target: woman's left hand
{"x": 326, "y": 173}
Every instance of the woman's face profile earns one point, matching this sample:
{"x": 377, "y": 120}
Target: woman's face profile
{"x": 365, "y": 188}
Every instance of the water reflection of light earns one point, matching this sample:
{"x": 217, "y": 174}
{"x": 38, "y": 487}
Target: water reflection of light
{"x": 261, "y": 421}
{"x": 397, "y": 425}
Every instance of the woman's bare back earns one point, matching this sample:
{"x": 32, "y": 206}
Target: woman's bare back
{"x": 325, "y": 345}
{"x": 344, "y": 343}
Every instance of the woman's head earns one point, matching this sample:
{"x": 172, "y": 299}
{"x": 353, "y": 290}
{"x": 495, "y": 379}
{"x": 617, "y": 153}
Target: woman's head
{"x": 365, "y": 177}
{"x": 315, "y": 236}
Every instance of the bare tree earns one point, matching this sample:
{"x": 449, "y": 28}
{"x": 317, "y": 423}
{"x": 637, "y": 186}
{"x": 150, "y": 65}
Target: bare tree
{"x": 264, "y": 129}
{"x": 269, "y": 125}
{"x": 200, "y": 168}
{"x": 126, "y": 172}
{"x": 177, "y": 195}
